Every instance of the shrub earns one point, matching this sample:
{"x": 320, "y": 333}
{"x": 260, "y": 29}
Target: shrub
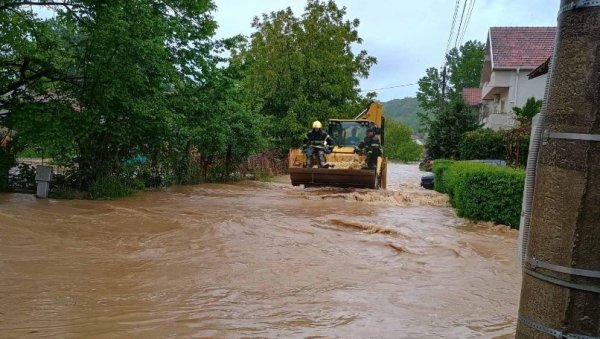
{"x": 22, "y": 179}
{"x": 484, "y": 192}
{"x": 439, "y": 167}
{"x": 7, "y": 160}
{"x": 482, "y": 144}
{"x": 109, "y": 187}
{"x": 516, "y": 143}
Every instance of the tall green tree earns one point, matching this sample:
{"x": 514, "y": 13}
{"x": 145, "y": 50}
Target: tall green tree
{"x": 446, "y": 116}
{"x": 464, "y": 66}
{"x": 303, "y": 68}
{"x": 430, "y": 90}
{"x": 447, "y": 129}
{"x": 100, "y": 77}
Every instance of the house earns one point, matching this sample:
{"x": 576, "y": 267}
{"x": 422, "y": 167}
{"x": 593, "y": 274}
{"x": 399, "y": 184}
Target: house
{"x": 472, "y": 96}
{"x": 511, "y": 54}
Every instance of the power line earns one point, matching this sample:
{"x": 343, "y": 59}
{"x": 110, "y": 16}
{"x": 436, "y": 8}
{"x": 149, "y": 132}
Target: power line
{"x": 389, "y": 87}
{"x": 467, "y": 21}
{"x": 460, "y": 23}
{"x": 456, "y": 6}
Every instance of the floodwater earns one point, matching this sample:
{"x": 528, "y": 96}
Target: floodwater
{"x": 255, "y": 259}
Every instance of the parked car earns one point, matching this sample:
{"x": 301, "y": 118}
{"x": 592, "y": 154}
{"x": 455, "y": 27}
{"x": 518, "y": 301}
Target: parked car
{"x": 428, "y": 180}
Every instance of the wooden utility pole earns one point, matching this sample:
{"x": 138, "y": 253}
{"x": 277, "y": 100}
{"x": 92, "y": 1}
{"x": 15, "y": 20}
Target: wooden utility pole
{"x": 560, "y": 297}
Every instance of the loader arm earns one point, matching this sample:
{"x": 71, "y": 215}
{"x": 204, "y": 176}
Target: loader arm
{"x": 374, "y": 113}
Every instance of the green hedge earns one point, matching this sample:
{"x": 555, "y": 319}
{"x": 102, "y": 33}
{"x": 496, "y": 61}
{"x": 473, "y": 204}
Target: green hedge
{"x": 482, "y": 144}
{"x": 439, "y": 168}
{"x": 484, "y": 192}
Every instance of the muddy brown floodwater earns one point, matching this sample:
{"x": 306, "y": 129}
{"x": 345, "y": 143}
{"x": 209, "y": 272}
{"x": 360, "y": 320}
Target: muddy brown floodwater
{"x": 255, "y": 260}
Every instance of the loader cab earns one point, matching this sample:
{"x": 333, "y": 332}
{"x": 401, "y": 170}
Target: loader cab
{"x": 348, "y": 133}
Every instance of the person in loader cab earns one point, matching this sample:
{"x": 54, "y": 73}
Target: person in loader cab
{"x": 314, "y": 144}
{"x": 353, "y": 139}
{"x": 371, "y": 147}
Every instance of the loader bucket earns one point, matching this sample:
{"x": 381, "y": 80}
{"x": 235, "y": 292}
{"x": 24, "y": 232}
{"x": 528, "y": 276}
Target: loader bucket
{"x": 335, "y": 177}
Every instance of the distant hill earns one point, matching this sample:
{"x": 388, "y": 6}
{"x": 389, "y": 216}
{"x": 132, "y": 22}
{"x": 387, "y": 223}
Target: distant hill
{"x": 403, "y": 110}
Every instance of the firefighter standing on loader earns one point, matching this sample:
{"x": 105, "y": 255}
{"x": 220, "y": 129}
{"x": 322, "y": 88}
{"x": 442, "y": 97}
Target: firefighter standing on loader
{"x": 371, "y": 146}
{"x": 315, "y": 143}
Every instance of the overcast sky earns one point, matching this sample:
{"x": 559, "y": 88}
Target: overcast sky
{"x": 406, "y": 36}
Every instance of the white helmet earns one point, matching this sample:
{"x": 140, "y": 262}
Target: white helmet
{"x": 317, "y": 124}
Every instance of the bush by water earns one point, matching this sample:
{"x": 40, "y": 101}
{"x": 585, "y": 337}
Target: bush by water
{"x": 482, "y": 191}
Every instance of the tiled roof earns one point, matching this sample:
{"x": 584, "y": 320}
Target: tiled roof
{"x": 514, "y": 47}
{"x": 472, "y": 96}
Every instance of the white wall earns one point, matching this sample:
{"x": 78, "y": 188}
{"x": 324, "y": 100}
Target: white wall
{"x": 499, "y": 115}
{"x": 526, "y": 88}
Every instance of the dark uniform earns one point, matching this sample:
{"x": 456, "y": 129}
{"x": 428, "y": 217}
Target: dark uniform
{"x": 314, "y": 143}
{"x": 371, "y": 146}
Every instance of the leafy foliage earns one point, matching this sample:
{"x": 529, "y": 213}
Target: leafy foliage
{"x": 464, "y": 67}
{"x": 399, "y": 144}
{"x": 516, "y": 145}
{"x": 23, "y": 179}
{"x": 440, "y": 166}
{"x": 7, "y": 160}
{"x": 446, "y": 115}
{"x": 106, "y": 83}
{"x": 300, "y": 69}
{"x": 526, "y": 113}
{"x": 482, "y": 144}
{"x": 447, "y": 129}
{"x": 111, "y": 187}
{"x": 430, "y": 90}
{"x": 485, "y": 192}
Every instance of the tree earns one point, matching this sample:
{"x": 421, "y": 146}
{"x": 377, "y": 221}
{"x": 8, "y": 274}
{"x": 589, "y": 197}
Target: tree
{"x": 447, "y": 129}
{"x": 221, "y": 124}
{"x": 430, "y": 90}
{"x": 303, "y": 68}
{"x": 464, "y": 66}
{"x": 99, "y": 83}
{"x": 399, "y": 144}
{"x": 446, "y": 117}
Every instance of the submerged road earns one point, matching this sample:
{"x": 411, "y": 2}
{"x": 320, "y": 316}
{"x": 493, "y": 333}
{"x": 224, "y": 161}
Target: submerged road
{"x": 255, "y": 259}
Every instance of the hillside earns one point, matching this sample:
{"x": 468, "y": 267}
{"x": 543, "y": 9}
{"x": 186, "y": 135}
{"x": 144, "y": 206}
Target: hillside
{"x": 403, "y": 110}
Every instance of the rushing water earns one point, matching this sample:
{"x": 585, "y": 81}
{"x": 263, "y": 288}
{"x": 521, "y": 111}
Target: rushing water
{"x": 255, "y": 260}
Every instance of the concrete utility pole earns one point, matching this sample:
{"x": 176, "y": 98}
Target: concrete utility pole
{"x": 443, "y": 101}
{"x": 560, "y": 297}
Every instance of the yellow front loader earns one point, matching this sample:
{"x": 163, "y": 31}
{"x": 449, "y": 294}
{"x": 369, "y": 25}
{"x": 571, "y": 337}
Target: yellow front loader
{"x": 348, "y": 169}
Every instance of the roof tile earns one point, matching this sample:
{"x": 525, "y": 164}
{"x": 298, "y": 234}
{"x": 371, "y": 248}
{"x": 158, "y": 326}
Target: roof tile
{"x": 514, "y": 47}
{"x": 472, "y": 96}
